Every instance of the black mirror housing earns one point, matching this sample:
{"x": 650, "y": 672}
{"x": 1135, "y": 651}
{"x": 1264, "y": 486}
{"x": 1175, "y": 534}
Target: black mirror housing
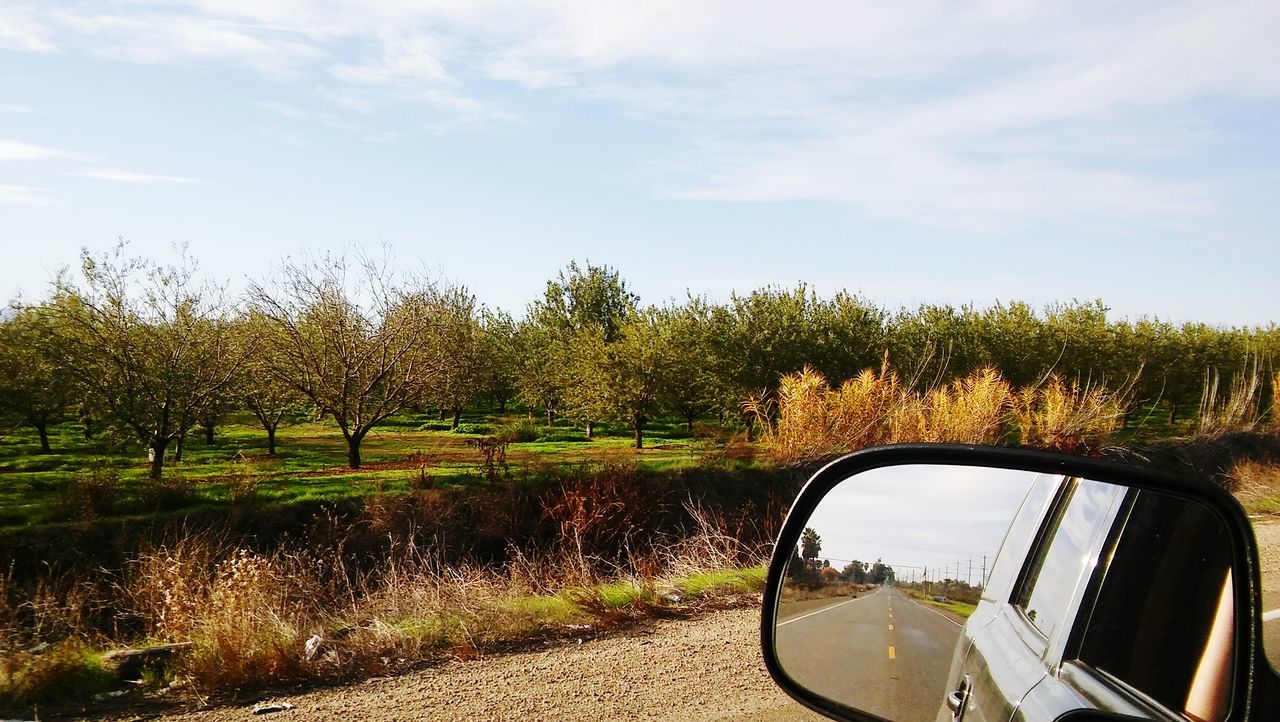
{"x": 1252, "y": 684}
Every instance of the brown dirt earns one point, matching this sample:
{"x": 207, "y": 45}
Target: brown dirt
{"x": 701, "y": 670}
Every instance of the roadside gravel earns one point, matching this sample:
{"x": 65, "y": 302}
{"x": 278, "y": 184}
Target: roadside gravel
{"x": 1267, "y": 534}
{"x": 700, "y": 670}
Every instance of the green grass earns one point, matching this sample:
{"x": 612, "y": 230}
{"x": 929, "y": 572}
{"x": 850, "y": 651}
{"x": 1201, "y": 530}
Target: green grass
{"x": 960, "y": 608}
{"x": 310, "y": 465}
{"x": 621, "y": 594}
{"x": 67, "y": 672}
{"x": 546, "y": 609}
{"x": 723, "y": 581}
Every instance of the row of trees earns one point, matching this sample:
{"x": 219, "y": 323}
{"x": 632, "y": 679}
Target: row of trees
{"x": 151, "y": 352}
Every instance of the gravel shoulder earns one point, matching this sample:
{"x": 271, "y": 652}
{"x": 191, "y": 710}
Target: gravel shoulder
{"x": 701, "y": 670}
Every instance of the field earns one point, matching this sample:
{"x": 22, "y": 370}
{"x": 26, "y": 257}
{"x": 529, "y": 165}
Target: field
{"x": 433, "y": 548}
{"x": 293, "y": 568}
{"x": 309, "y": 466}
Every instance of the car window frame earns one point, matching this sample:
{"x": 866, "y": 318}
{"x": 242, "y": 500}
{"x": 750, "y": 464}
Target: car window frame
{"x": 1050, "y": 648}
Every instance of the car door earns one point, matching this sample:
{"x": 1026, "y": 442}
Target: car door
{"x": 1153, "y": 634}
{"x": 1030, "y": 619}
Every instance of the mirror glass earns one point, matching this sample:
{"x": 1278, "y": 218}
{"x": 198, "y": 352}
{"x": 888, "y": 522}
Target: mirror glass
{"x": 912, "y": 584}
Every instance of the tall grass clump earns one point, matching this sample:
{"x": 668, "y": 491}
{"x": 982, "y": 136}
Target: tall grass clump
{"x": 970, "y": 410}
{"x": 811, "y": 419}
{"x": 1256, "y": 485}
{"x": 1235, "y": 409}
{"x": 1067, "y": 416}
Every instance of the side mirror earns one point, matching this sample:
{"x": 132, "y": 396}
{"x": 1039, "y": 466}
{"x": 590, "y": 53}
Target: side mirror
{"x": 924, "y": 582}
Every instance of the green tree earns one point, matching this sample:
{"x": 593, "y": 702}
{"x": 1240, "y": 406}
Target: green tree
{"x": 261, "y": 390}
{"x": 461, "y": 351}
{"x": 693, "y": 378}
{"x": 850, "y": 336}
{"x": 759, "y": 337}
{"x": 540, "y": 379}
{"x": 880, "y": 573}
{"x": 810, "y": 546}
{"x": 36, "y": 387}
{"x": 148, "y": 342}
{"x": 855, "y": 571}
{"x": 580, "y": 299}
{"x": 1018, "y": 343}
{"x": 563, "y": 357}
{"x": 622, "y": 379}
{"x": 502, "y": 368}
{"x": 936, "y": 343}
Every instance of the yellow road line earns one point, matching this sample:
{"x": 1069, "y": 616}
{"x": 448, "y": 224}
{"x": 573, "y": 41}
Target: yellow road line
{"x": 890, "y": 627}
{"x": 891, "y": 654}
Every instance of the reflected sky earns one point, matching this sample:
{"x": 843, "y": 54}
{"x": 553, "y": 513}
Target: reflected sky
{"x": 921, "y": 517}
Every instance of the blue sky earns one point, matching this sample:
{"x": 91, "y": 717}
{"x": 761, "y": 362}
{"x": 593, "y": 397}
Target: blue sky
{"x": 911, "y": 152}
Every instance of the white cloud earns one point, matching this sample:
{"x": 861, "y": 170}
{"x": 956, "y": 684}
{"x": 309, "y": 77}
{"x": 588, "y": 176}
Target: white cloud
{"x": 15, "y": 109}
{"x": 124, "y": 176}
{"x": 983, "y": 113}
{"x": 384, "y": 137}
{"x": 303, "y": 114}
{"x": 20, "y": 30}
{"x": 167, "y": 38}
{"x": 25, "y": 196}
{"x": 18, "y": 150}
{"x": 410, "y": 60}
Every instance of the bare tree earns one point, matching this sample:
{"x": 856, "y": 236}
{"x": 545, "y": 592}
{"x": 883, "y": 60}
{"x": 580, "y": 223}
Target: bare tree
{"x": 149, "y": 343}
{"x": 357, "y": 345}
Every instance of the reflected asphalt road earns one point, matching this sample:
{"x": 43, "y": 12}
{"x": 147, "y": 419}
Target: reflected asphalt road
{"x": 882, "y": 653}
{"x": 1271, "y": 625}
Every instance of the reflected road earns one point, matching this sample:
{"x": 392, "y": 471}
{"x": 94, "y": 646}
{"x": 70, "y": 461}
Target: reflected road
{"x": 883, "y": 653}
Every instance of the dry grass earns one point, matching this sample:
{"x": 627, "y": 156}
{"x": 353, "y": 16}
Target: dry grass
{"x": 971, "y": 410}
{"x": 814, "y": 420}
{"x": 1275, "y": 402}
{"x": 304, "y": 612}
{"x": 1236, "y": 409}
{"x": 1069, "y": 417}
{"x": 1256, "y": 486}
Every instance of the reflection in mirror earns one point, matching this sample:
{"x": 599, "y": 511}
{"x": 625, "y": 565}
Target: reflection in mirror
{"x": 1256, "y": 485}
{"x": 923, "y": 592}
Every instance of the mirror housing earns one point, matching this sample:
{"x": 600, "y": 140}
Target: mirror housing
{"x": 1253, "y": 685}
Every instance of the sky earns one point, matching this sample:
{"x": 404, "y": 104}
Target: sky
{"x": 911, "y": 152}
{"x": 921, "y": 519}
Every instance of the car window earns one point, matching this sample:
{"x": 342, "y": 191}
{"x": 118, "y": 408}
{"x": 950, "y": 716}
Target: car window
{"x": 1154, "y": 614}
{"x": 1064, "y": 553}
{"x": 999, "y": 583}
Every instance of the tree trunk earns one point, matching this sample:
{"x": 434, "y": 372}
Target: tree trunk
{"x": 750, "y": 421}
{"x": 353, "y": 450}
{"x": 208, "y": 434}
{"x": 551, "y": 417}
{"x": 271, "y": 441}
{"x": 457, "y": 416}
{"x": 177, "y": 450}
{"x": 591, "y": 429}
{"x": 157, "y": 456}
{"x": 639, "y": 424}
{"x": 440, "y": 414}
{"x": 502, "y": 405}
{"x": 688, "y": 421}
{"x": 1173, "y": 413}
{"x": 43, "y": 430}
